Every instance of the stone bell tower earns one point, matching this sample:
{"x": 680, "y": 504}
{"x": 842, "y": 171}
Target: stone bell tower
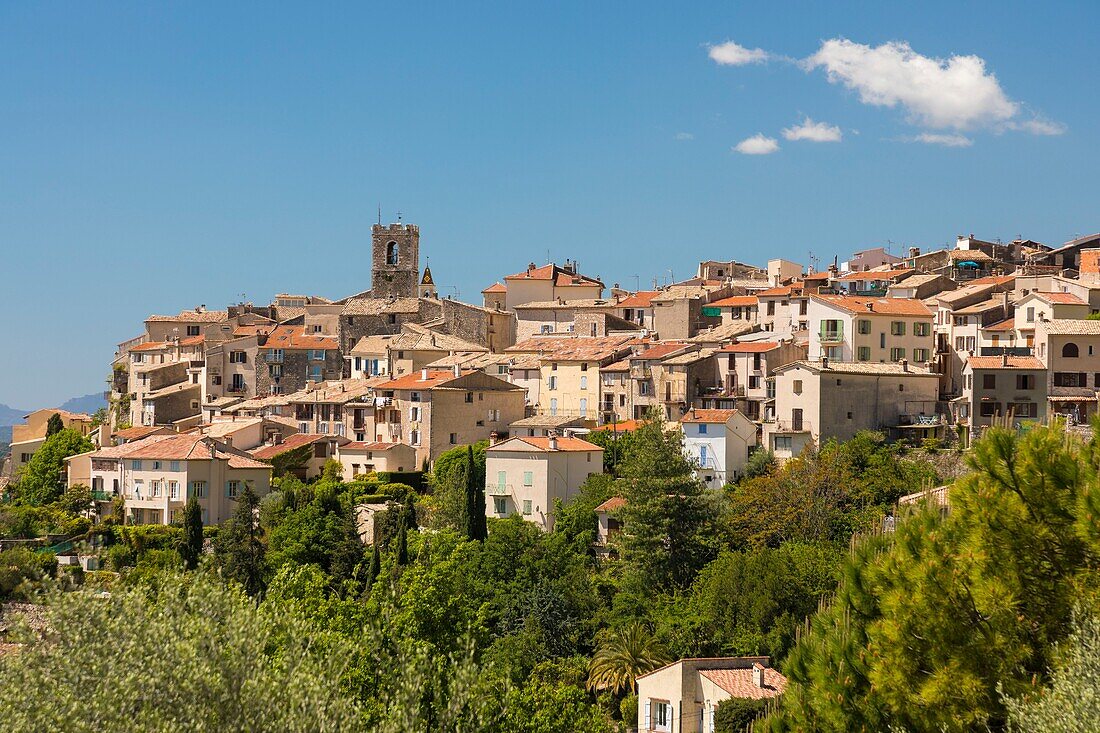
{"x": 395, "y": 260}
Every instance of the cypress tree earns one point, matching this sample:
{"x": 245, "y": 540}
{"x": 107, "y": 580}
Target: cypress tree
{"x": 402, "y": 544}
{"x": 239, "y": 547}
{"x": 191, "y": 545}
{"x": 375, "y": 566}
{"x": 54, "y": 425}
{"x": 476, "y": 527}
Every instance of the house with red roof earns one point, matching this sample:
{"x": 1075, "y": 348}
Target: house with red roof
{"x": 849, "y": 328}
{"x": 529, "y": 475}
{"x": 549, "y": 283}
{"x": 743, "y": 370}
{"x": 996, "y": 388}
{"x": 684, "y": 695}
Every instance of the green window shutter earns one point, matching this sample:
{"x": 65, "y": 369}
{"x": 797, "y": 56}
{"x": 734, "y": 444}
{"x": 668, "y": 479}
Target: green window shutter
{"x": 226, "y": 489}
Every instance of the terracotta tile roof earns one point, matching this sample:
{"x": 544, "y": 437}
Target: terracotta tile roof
{"x": 151, "y": 346}
{"x": 994, "y": 280}
{"x": 689, "y": 357}
{"x": 975, "y": 255}
{"x": 775, "y": 292}
{"x": 1070, "y": 327}
{"x": 859, "y": 367}
{"x": 707, "y": 416}
{"x": 290, "y": 443}
{"x": 1059, "y": 298}
{"x": 561, "y": 277}
{"x": 626, "y": 426}
{"x": 193, "y": 341}
{"x": 749, "y": 347}
{"x": 980, "y": 307}
{"x": 997, "y": 362}
{"x": 192, "y": 316}
{"x": 176, "y": 447}
{"x": 380, "y": 306}
{"x": 436, "y": 377}
{"x": 1006, "y": 325}
{"x": 659, "y": 351}
{"x": 738, "y": 682}
{"x": 883, "y": 306}
{"x": 735, "y": 301}
{"x": 622, "y": 365}
{"x": 295, "y": 337}
{"x": 137, "y": 433}
{"x": 575, "y": 348}
{"x": 367, "y": 446}
{"x": 496, "y": 288}
{"x": 567, "y": 445}
{"x": 640, "y": 299}
{"x": 337, "y": 391}
{"x": 615, "y": 502}
{"x": 414, "y": 338}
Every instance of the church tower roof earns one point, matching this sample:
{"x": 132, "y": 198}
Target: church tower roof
{"x": 427, "y": 279}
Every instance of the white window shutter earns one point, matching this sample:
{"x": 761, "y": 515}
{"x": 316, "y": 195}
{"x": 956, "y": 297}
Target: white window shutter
{"x": 647, "y": 726}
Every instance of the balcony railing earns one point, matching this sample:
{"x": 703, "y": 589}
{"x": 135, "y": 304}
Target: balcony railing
{"x": 790, "y": 426}
{"x": 495, "y": 489}
{"x": 272, "y": 357}
{"x": 832, "y": 335}
{"x": 102, "y": 495}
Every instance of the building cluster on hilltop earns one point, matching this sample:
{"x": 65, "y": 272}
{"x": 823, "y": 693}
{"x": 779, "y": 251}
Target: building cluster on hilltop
{"x": 932, "y": 345}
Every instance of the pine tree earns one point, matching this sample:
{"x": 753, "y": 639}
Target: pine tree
{"x": 476, "y": 525}
{"x": 240, "y": 548}
{"x": 54, "y": 425}
{"x": 191, "y": 544}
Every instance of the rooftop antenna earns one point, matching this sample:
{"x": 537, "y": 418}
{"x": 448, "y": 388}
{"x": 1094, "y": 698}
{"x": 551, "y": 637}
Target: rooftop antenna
{"x": 637, "y": 283}
{"x": 398, "y": 217}
{"x": 814, "y": 260}
{"x": 379, "y": 213}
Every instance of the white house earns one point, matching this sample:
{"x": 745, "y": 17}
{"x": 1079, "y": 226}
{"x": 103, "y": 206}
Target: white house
{"x": 526, "y": 475}
{"x": 720, "y": 441}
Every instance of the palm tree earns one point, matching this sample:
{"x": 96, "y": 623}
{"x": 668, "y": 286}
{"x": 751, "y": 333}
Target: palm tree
{"x": 623, "y": 655}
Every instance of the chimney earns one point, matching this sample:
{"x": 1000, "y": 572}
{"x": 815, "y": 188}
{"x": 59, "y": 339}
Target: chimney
{"x": 552, "y": 443}
{"x": 869, "y": 305}
{"x": 457, "y": 370}
{"x": 914, "y": 252}
{"x": 758, "y": 675}
{"x": 494, "y": 438}
{"x": 424, "y": 374}
{"x": 530, "y": 266}
{"x": 1004, "y": 304}
{"x": 1004, "y": 357}
{"x": 905, "y": 365}
{"x": 824, "y": 362}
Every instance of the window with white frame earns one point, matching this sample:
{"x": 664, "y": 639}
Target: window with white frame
{"x": 173, "y": 489}
{"x": 198, "y": 489}
{"x": 232, "y": 489}
{"x": 527, "y": 507}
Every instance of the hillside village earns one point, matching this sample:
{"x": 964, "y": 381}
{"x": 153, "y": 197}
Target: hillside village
{"x": 745, "y": 365}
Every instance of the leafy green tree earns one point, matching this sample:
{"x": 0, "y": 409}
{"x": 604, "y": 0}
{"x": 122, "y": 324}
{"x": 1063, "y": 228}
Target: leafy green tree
{"x": 42, "y": 480}
{"x": 736, "y": 714}
{"x": 191, "y": 543}
{"x": 401, "y": 553}
{"x": 375, "y": 566}
{"x": 761, "y": 463}
{"x": 239, "y": 547}
{"x": 217, "y": 674}
{"x": 577, "y": 517}
{"x": 1070, "y": 704}
{"x": 615, "y": 444}
{"x": 622, "y": 656}
{"x": 321, "y": 532}
{"x": 54, "y": 425}
{"x": 670, "y": 525}
{"x": 77, "y": 501}
{"x": 449, "y": 481}
{"x": 934, "y": 626}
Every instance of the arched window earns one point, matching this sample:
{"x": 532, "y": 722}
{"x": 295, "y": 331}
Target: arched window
{"x": 391, "y": 253}
{"x": 1070, "y": 350}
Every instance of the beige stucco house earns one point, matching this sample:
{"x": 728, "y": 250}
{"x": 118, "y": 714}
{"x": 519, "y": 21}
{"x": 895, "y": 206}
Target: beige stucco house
{"x": 999, "y": 387}
{"x": 527, "y": 475}
{"x": 358, "y": 458}
{"x": 848, "y": 328}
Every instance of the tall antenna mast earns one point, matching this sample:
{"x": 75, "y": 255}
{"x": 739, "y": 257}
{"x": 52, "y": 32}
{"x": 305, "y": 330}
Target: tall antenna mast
{"x": 379, "y": 213}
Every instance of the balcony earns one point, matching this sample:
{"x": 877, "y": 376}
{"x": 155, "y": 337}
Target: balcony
{"x": 832, "y": 335}
{"x": 640, "y": 372}
{"x": 273, "y": 357}
{"x": 498, "y": 489}
{"x": 790, "y": 426}
{"x": 102, "y": 496}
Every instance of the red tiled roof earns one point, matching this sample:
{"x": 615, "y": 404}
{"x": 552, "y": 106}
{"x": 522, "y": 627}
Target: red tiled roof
{"x": 738, "y": 682}
{"x": 1060, "y": 298}
{"x": 365, "y": 446}
{"x": 626, "y": 426}
{"x": 496, "y": 288}
{"x": 885, "y": 306}
{"x": 1007, "y": 325}
{"x": 151, "y": 346}
{"x": 564, "y": 444}
{"x": 560, "y": 277}
{"x": 659, "y": 350}
{"x": 176, "y": 447}
{"x": 640, "y": 299}
{"x": 193, "y": 341}
{"x": 775, "y": 292}
{"x": 997, "y": 362}
{"x": 707, "y": 416}
{"x": 749, "y": 347}
{"x": 295, "y": 337}
{"x": 993, "y": 280}
{"x": 137, "y": 433}
{"x": 615, "y": 502}
{"x": 620, "y": 366}
{"x": 735, "y": 301}
{"x": 416, "y": 379}
{"x": 290, "y": 443}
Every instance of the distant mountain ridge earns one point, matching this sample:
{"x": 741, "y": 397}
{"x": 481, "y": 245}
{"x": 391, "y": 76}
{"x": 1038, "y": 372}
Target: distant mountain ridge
{"x": 10, "y": 416}
{"x": 87, "y": 404}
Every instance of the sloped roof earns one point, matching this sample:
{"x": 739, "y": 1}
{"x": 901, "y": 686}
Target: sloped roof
{"x": 883, "y": 306}
{"x": 1005, "y": 325}
{"x": 640, "y": 299}
{"x": 496, "y": 288}
{"x": 192, "y": 316}
{"x": 997, "y": 362}
{"x": 560, "y": 277}
{"x": 295, "y": 337}
{"x": 707, "y": 416}
{"x": 735, "y": 301}
{"x": 380, "y": 306}
{"x": 290, "y": 443}
{"x": 749, "y": 347}
{"x": 615, "y": 502}
{"x": 1059, "y": 298}
{"x": 176, "y": 447}
{"x": 416, "y": 380}
{"x": 1070, "y": 327}
{"x": 738, "y": 682}
{"x": 543, "y": 444}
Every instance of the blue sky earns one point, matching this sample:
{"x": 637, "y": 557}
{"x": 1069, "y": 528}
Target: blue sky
{"x": 158, "y": 156}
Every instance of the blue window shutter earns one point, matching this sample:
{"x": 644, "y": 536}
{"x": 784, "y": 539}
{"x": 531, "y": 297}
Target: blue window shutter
{"x": 647, "y": 725}
{"x": 226, "y": 489}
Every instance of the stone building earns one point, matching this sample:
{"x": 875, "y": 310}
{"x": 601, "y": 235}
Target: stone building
{"x": 395, "y": 260}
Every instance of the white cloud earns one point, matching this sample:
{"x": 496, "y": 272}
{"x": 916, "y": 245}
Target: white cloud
{"x": 733, "y": 54}
{"x": 683, "y": 136}
{"x": 955, "y": 93}
{"x": 758, "y": 144}
{"x": 950, "y": 140}
{"x": 1038, "y": 127}
{"x": 818, "y": 132}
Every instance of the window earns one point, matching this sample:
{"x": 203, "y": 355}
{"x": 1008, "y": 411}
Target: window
{"x": 798, "y": 386}
{"x": 1025, "y": 381}
{"x": 156, "y": 465}
{"x": 232, "y": 489}
{"x": 414, "y": 437}
{"x": 863, "y": 353}
{"x": 584, "y": 366}
{"x": 921, "y": 355}
{"x": 771, "y": 307}
{"x": 553, "y": 382}
{"x": 155, "y": 485}
{"x": 500, "y": 505}
{"x": 781, "y": 442}
{"x": 882, "y": 340}
{"x": 660, "y": 715}
{"x": 174, "y": 466}
{"x": 546, "y": 328}
{"x": 960, "y": 343}
{"x": 863, "y": 327}
{"x": 1030, "y": 315}
{"x": 174, "y": 489}
{"x": 897, "y": 328}
{"x": 470, "y": 398}
{"x": 554, "y": 406}
{"x": 192, "y": 330}
{"x": 391, "y": 253}
{"x": 1069, "y": 379}
{"x": 584, "y": 406}
{"x": 584, "y": 381}
{"x": 527, "y": 506}
{"x": 702, "y": 428}
{"x": 316, "y": 354}
{"x": 1024, "y": 409}
{"x": 528, "y": 478}
{"x": 989, "y": 381}
{"x": 989, "y": 409}
{"x": 315, "y": 373}
{"x": 198, "y": 489}
{"x": 454, "y": 438}
{"x": 1070, "y": 351}
{"x": 135, "y": 465}
{"x": 897, "y": 354}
